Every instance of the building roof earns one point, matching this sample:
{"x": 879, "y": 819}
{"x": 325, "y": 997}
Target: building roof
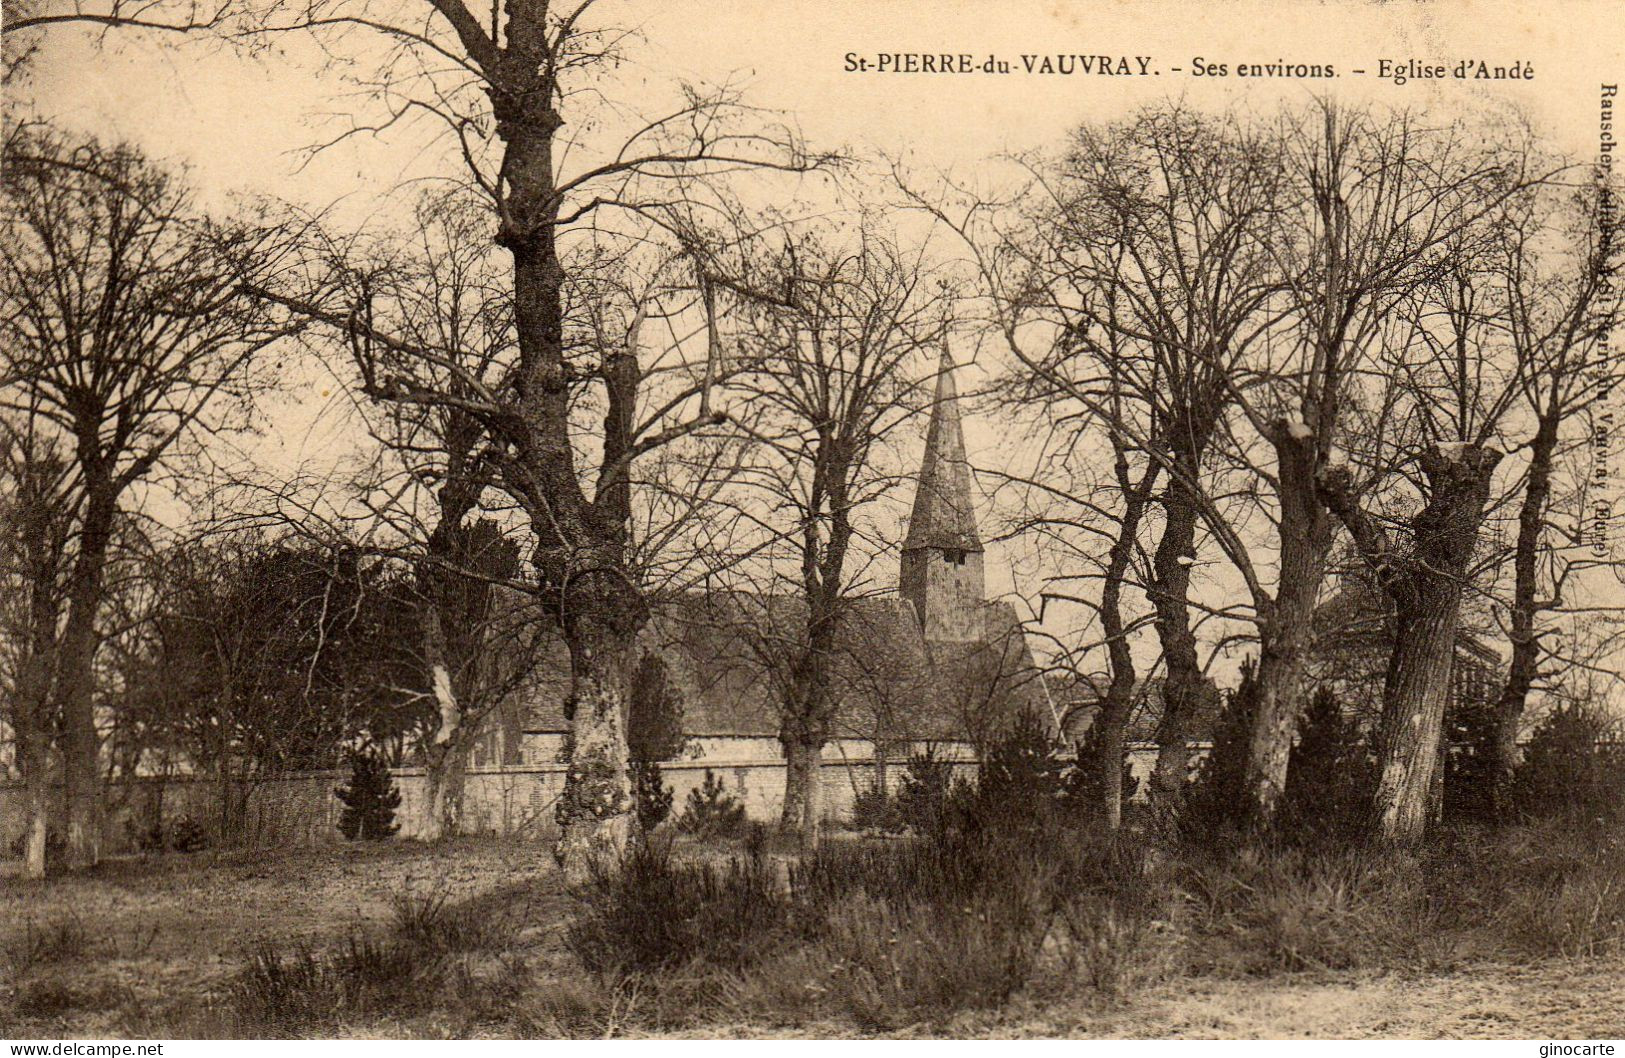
{"x": 943, "y": 515}
{"x": 726, "y": 653}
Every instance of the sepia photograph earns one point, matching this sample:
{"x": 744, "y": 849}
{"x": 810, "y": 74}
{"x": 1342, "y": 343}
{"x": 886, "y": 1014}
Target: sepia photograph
{"x": 938, "y": 519}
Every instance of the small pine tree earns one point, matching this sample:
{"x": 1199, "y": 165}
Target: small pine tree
{"x": 654, "y": 733}
{"x": 1469, "y": 764}
{"x": 650, "y": 794}
{"x": 1573, "y": 768}
{"x": 369, "y": 801}
{"x": 1022, "y": 779}
{"x": 1216, "y": 800}
{"x": 711, "y": 812}
{"x": 923, "y": 792}
{"x": 1329, "y": 774}
{"x": 1083, "y": 794}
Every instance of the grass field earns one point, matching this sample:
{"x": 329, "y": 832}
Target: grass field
{"x": 153, "y": 947}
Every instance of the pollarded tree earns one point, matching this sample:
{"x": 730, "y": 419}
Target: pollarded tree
{"x": 1379, "y": 198}
{"x": 131, "y": 338}
{"x": 573, "y": 182}
{"x": 1430, "y": 442}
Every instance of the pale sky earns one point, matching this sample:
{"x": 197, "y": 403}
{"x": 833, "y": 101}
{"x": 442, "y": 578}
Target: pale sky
{"x": 239, "y": 123}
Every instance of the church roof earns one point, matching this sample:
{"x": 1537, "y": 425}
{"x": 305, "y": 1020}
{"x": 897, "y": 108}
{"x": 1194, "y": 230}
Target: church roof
{"x": 943, "y": 515}
{"x": 726, "y": 653}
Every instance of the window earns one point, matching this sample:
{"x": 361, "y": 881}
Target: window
{"x": 954, "y": 556}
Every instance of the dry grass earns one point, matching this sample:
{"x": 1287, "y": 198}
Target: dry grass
{"x": 1517, "y": 935}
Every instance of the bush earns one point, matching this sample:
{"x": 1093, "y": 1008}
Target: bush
{"x": 1023, "y": 776}
{"x": 874, "y": 809}
{"x": 187, "y": 835}
{"x": 654, "y": 717}
{"x": 922, "y": 797}
{"x": 655, "y": 914}
{"x": 651, "y": 796}
{"x": 1330, "y": 774}
{"x": 1469, "y": 767}
{"x": 1083, "y": 794}
{"x": 401, "y": 971}
{"x": 1216, "y": 799}
{"x": 1573, "y": 768}
{"x": 369, "y": 801}
{"x": 712, "y": 812}
{"x": 58, "y": 941}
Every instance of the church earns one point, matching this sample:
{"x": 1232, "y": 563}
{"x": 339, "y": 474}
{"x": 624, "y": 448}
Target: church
{"x": 934, "y": 664}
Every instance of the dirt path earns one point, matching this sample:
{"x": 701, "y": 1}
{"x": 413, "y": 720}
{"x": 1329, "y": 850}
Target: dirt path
{"x": 1552, "y": 1000}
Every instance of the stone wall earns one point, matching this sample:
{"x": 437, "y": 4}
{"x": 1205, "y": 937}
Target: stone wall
{"x": 516, "y": 800}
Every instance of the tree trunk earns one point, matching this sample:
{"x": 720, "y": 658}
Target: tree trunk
{"x": 76, "y": 682}
{"x": 1414, "y": 697}
{"x": 444, "y": 780}
{"x": 446, "y": 754}
{"x": 1183, "y": 685}
{"x": 36, "y": 801}
{"x": 1114, "y": 708}
{"x": 794, "y": 809}
{"x": 595, "y": 810}
{"x": 1110, "y": 762}
{"x": 812, "y": 804}
{"x": 1425, "y": 582}
{"x": 803, "y": 789}
{"x": 1286, "y": 632}
{"x": 1524, "y": 665}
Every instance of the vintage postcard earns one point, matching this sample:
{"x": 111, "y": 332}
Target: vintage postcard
{"x": 938, "y": 519}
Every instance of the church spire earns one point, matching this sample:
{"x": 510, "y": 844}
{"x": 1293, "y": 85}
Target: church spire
{"x": 943, "y": 514}
{"x": 941, "y": 575}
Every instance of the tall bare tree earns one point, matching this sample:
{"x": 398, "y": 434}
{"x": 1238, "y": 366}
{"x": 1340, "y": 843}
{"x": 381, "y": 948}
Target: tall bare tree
{"x": 131, "y": 336}
{"x": 830, "y": 336}
{"x": 36, "y": 522}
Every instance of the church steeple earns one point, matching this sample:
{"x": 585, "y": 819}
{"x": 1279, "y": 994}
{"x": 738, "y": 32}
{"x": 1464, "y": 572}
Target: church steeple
{"x": 942, "y": 553}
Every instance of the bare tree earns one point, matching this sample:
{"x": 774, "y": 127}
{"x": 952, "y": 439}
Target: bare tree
{"x": 131, "y": 338}
{"x": 36, "y": 521}
{"x": 518, "y": 97}
{"x": 1553, "y": 266}
{"x": 1381, "y": 195}
{"x": 830, "y": 334}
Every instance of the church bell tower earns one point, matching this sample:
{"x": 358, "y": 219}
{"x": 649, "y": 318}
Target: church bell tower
{"x": 942, "y": 553}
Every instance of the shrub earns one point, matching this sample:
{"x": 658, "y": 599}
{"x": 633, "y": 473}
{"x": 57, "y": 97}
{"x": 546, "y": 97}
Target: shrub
{"x": 1469, "y": 766}
{"x": 712, "y": 812}
{"x": 1573, "y": 768}
{"x": 896, "y": 965}
{"x": 369, "y": 801}
{"x": 1567, "y": 902}
{"x": 654, "y": 717}
{"x": 1329, "y": 775}
{"x": 655, "y": 914}
{"x": 395, "y": 973}
{"x": 187, "y": 835}
{"x": 1279, "y": 909}
{"x": 58, "y": 941}
{"x": 651, "y": 796}
{"x": 1216, "y": 798}
{"x": 1083, "y": 794}
{"x": 302, "y": 988}
{"x": 874, "y": 809}
{"x": 1022, "y": 776}
{"x": 429, "y": 922}
{"x": 922, "y": 797}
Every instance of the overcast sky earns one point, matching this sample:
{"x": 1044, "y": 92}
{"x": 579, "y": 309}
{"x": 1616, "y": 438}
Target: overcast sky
{"x": 241, "y": 123}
